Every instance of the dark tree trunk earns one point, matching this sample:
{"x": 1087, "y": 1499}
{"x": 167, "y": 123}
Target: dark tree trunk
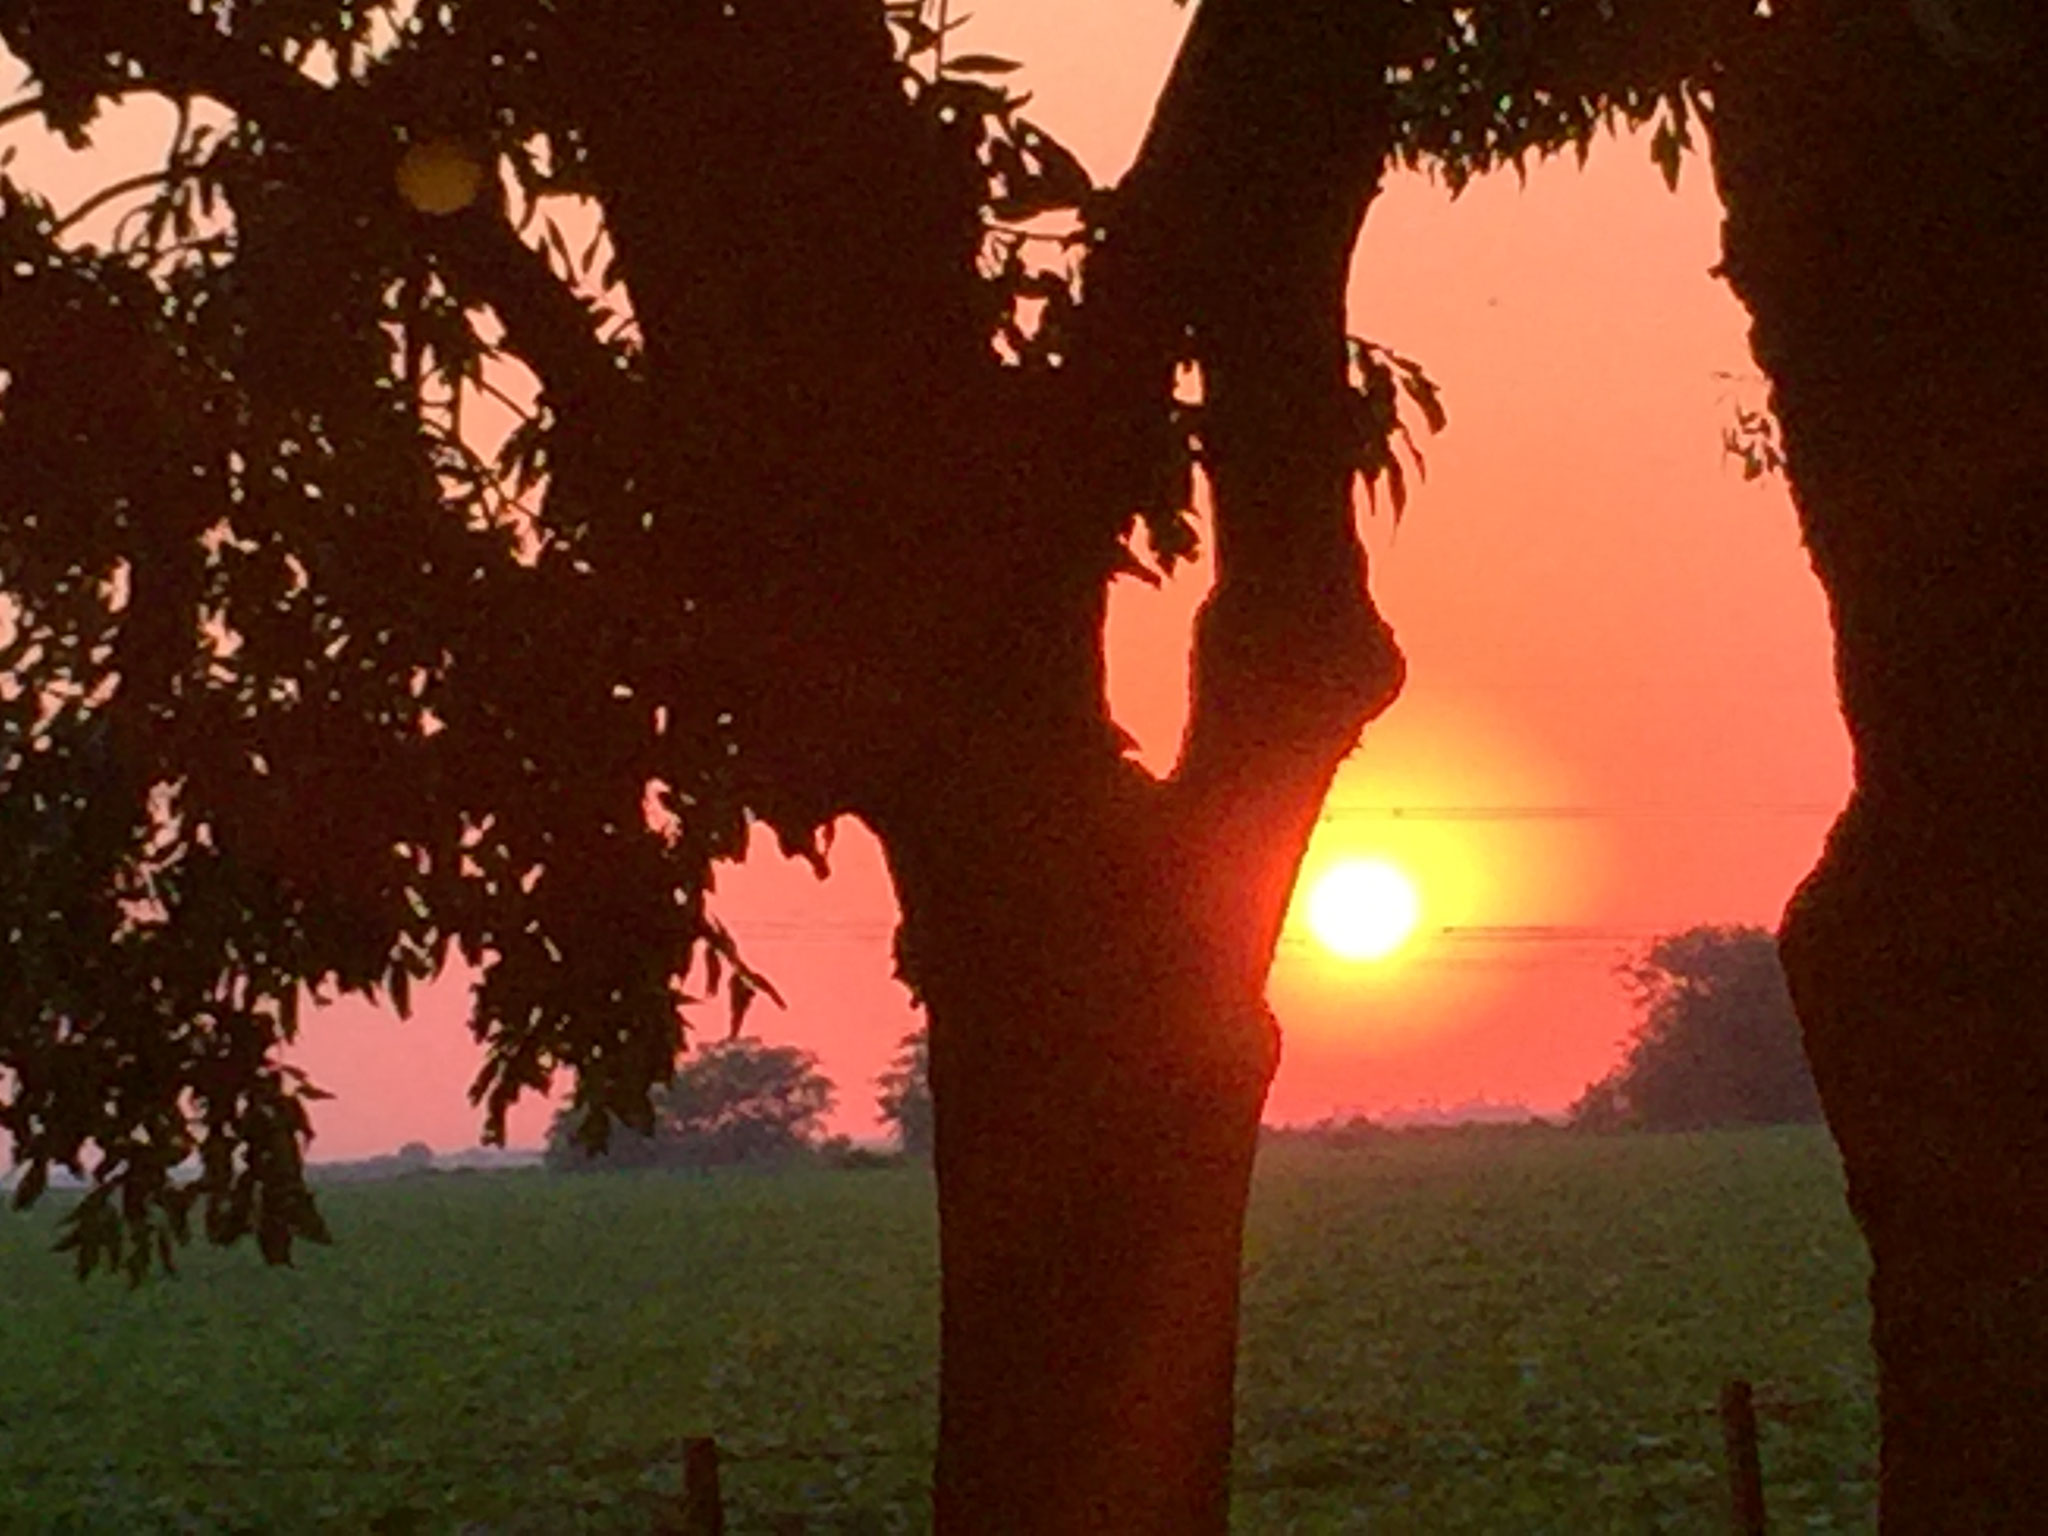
{"x": 903, "y": 570}
{"x": 1097, "y": 1088}
{"x": 1885, "y": 202}
{"x": 1092, "y": 944}
{"x": 875, "y": 563}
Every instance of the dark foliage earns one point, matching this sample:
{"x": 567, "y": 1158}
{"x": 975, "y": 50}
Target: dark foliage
{"x": 306, "y": 692}
{"x": 736, "y": 1102}
{"x": 1357, "y": 1132}
{"x": 1718, "y": 1043}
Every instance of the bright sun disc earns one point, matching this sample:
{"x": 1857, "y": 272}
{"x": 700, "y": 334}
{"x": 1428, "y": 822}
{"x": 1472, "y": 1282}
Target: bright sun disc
{"x": 1363, "y": 909}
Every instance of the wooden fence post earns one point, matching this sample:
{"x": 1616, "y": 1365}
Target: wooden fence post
{"x": 703, "y": 1507}
{"x": 1745, "y": 1467}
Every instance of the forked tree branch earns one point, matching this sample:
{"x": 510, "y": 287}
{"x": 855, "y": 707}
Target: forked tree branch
{"x": 1232, "y": 238}
{"x": 1243, "y": 207}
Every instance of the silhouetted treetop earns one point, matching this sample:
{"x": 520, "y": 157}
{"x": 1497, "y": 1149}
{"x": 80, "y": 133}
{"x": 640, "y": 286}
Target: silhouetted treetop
{"x": 390, "y": 585}
{"x": 737, "y": 1101}
{"x": 507, "y": 452}
{"x": 1477, "y": 85}
{"x": 1717, "y": 1042}
{"x": 400, "y": 574}
{"x": 904, "y": 1101}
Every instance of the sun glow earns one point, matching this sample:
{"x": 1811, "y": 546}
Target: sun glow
{"x": 1363, "y": 909}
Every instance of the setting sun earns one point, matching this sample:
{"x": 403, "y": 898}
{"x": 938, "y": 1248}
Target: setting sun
{"x": 1363, "y": 909}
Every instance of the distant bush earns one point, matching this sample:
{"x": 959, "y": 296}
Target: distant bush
{"x": 1718, "y": 1042}
{"x": 905, "y": 1100}
{"x": 841, "y": 1153}
{"x": 738, "y": 1102}
{"x": 1349, "y": 1131}
{"x": 1358, "y": 1131}
{"x": 371, "y": 1170}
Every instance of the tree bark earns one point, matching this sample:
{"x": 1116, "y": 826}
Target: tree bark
{"x": 1884, "y": 201}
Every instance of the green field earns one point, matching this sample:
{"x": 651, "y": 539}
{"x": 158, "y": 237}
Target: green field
{"x": 1472, "y": 1333}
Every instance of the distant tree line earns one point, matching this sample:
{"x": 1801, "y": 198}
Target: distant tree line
{"x": 1717, "y": 1042}
{"x": 1355, "y": 1132}
{"x": 905, "y": 1102}
{"x": 735, "y": 1103}
{"x": 741, "y": 1103}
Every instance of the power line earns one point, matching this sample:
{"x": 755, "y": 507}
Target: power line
{"x": 1521, "y": 935}
{"x": 1508, "y": 947}
{"x": 1542, "y": 933}
{"x": 1646, "y": 812}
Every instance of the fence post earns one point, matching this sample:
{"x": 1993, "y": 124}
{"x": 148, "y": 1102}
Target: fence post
{"x": 703, "y": 1508}
{"x": 1745, "y": 1468}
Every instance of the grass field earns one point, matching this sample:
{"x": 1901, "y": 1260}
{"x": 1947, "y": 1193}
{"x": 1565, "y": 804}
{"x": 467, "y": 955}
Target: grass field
{"x": 1462, "y": 1334}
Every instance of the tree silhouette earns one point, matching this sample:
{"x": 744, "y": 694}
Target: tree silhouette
{"x": 1717, "y": 1044}
{"x": 831, "y": 447}
{"x": 738, "y": 1101}
{"x": 823, "y": 473}
{"x": 1885, "y": 169}
{"x": 905, "y": 1099}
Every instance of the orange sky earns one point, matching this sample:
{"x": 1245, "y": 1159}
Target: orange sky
{"x": 1619, "y": 703}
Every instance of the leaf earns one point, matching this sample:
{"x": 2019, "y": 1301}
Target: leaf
{"x": 561, "y": 247}
{"x": 1420, "y": 388}
{"x": 1666, "y": 146}
{"x": 967, "y": 98}
{"x": 33, "y": 1181}
{"x": 981, "y": 64}
{"x": 1128, "y": 564}
{"x": 919, "y": 35}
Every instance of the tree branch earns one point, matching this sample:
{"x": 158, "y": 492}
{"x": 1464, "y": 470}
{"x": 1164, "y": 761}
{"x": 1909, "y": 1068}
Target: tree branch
{"x": 1240, "y": 216}
{"x": 16, "y": 111}
{"x": 183, "y": 54}
{"x": 107, "y": 194}
{"x": 1232, "y": 237}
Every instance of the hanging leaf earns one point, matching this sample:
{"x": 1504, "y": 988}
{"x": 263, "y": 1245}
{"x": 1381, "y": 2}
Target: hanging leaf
{"x": 1667, "y": 145}
{"x": 981, "y": 64}
{"x": 741, "y": 997}
{"x": 1420, "y": 388}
